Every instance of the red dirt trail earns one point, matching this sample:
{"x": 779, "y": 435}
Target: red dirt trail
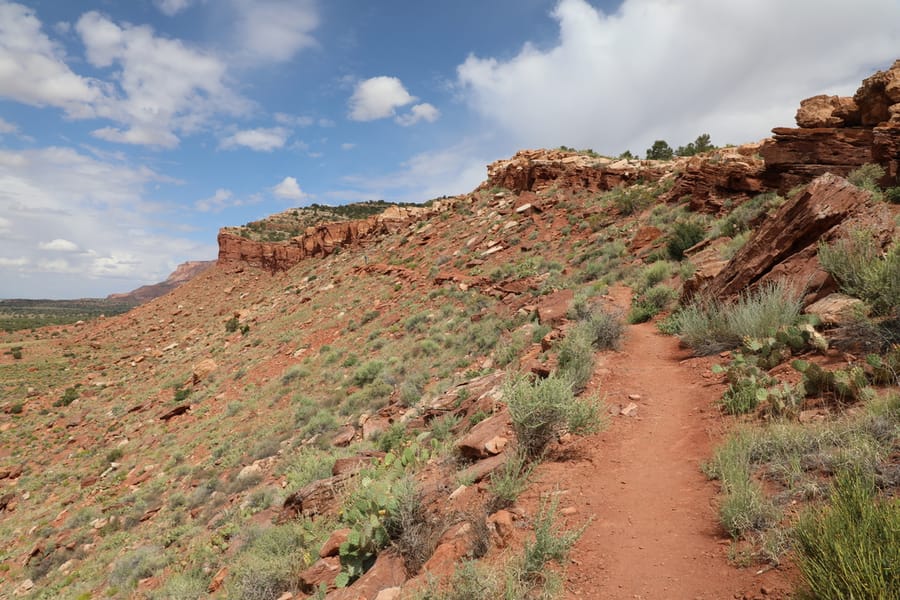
{"x": 654, "y": 533}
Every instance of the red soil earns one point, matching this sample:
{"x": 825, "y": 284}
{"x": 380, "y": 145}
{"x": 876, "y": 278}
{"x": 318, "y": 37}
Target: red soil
{"x": 655, "y": 532}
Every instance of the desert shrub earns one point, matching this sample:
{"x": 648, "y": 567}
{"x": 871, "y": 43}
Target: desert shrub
{"x": 710, "y": 325}
{"x": 684, "y": 234}
{"x": 575, "y": 356}
{"x": 307, "y": 465}
{"x": 232, "y": 325}
{"x": 138, "y": 564}
{"x": 867, "y": 177}
{"x": 16, "y": 352}
{"x": 892, "y": 194}
{"x": 541, "y": 409}
{"x": 367, "y": 372}
{"x": 509, "y": 481}
{"x": 654, "y": 274}
{"x": 650, "y": 303}
{"x": 294, "y": 373}
{"x": 630, "y": 199}
{"x": 551, "y": 542}
{"x": 187, "y": 585}
{"x": 413, "y": 534}
{"x": 850, "y": 548}
{"x": 268, "y": 564}
{"x": 469, "y": 581}
{"x": 863, "y": 271}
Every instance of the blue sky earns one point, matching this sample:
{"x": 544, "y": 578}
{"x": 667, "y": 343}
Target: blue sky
{"x": 130, "y": 132}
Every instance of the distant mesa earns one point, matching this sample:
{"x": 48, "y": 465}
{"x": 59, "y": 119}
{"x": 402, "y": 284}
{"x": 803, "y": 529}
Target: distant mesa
{"x": 181, "y": 275}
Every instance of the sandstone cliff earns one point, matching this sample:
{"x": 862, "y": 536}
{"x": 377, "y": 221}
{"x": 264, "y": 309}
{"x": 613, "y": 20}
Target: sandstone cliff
{"x": 838, "y": 134}
{"x": 320, "y": 240}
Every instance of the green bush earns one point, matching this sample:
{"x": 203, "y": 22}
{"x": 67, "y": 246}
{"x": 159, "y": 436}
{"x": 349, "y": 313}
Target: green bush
{"x": 270, "y": 560}
{"x": 650, "y": 303}
{"x": 851, "y": 549}
{"x": 710, "y": 325}
{"x": 232, "y": 325}
{"x": 509, "y": 481}
{"x": 69, "y": 396}
{"x": 684, "y": 234}
{"x": 367, "y": 372}
{"x": 575, "y": 356}
{"x": 541, "y": 409}
{"x": 863, "y": 271}
{"x": 867, "y": 177}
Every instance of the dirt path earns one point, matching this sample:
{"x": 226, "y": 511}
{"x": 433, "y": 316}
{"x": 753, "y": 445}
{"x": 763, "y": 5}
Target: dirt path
{"x": 655, "y": 532}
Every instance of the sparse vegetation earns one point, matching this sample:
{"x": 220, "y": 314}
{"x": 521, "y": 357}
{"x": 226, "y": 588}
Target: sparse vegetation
{"x": 540, "y": 410}
{"x": 709, "y": 325}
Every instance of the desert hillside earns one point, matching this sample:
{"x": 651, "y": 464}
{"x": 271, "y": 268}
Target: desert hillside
{"x": 592, "y": 377}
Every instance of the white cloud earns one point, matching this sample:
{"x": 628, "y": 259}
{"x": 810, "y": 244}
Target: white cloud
{"x": 222, "y": 199}
{"x": 658, "y": 69}
{"x": 323, "y": 122}
{"x": 419, "y": 112}
{"x": 171, "y": 8}
{"x": 289, "y": 189}
{"x": 163, "y": 86}
{"x": 13, "y": 262}
{"x": 33, "y": 69}
{"x": 260, "y": 139}
{"x": 59, "y": 245}
{"x": 7, "y": 127}
{"x": 378, "y": 98}
{"x": 293, "y": 120}
{"x": 274, "y": 30}
{"x": 447, "y": 171}
{"x": 73, "y": 200}
{"x": 348, "y": 146}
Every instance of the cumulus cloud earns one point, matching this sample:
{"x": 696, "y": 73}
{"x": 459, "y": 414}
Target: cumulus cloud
{"x": 59, "y": 245}
{"x": 419, "y": 112}
{"x": 378, "y": 98}
{"x": 274, "y": 30}
{"x": 33, "y": 68}
{"x": 289, "y": 189}
{"x": 261, "y": 139}
{"x": 57, "y": 206}
{"x": 657, "y": 69}
{"x": 216, "y": 202}
{"x": 171, "y": 8}
{"x": 164, "y": 86}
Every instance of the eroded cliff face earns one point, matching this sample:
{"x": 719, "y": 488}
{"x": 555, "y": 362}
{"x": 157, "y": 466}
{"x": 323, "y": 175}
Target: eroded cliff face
{"x": 838, "y": 134}
{"x": 538, "y": 170}
{"x": 321, "y": 240}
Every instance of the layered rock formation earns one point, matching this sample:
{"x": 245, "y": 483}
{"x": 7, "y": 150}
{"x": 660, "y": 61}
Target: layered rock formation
{"x": 785, "y": 246}
{"x": 838, "y": 134}
{"x": 537, "y": 170}
{"x": 321, "y": 240}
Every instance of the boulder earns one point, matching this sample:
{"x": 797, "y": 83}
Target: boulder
{"x": 878, "y": 97}
{"x": 323, "y": 571}
{"x": 387, "y": 572}
{"x": 202, "y": 370}
{"x": 785, "y": 246}
{"x": 553, "y": 307}
{"x": 836, "y": 309}
{"x": 828, "y": 111}
{"x": 475, "y": 444}
{"x": 332, "y": 545}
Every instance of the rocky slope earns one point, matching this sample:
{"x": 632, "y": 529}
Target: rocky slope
{"x": 214, "y": 442}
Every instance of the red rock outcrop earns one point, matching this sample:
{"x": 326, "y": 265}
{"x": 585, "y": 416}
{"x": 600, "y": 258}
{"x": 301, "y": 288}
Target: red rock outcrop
{"x": 711, "y": 178}
{"x": 837, "y": 135}
{"x": 784, "y": 247}
{"x": 535, "y": 170}
{"x": 321, "y": 240}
